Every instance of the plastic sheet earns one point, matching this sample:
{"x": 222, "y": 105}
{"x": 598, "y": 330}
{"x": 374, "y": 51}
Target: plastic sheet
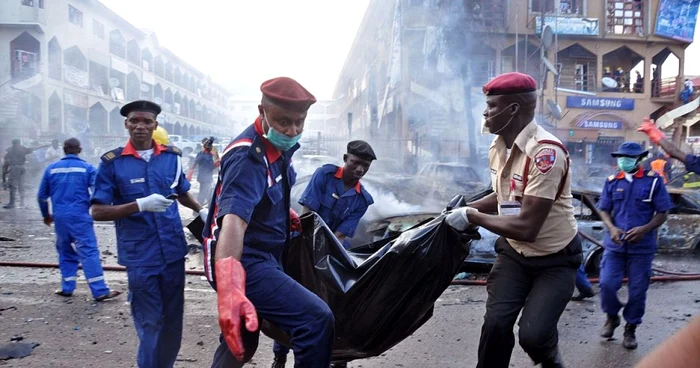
{"x": 382, "y": 292}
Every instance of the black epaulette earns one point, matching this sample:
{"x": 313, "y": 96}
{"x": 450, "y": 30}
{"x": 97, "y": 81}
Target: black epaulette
{"x": 111, "y": 155}
{"x": 173, "y": 149}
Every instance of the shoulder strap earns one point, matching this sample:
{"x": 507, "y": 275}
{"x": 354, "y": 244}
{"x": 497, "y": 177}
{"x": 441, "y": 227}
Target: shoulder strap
{"x": 112, "y": 155}
{"x": 528, "y": 160}
{"x": 173, "y": 149}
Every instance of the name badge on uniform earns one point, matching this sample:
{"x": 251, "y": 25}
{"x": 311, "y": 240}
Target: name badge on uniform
{"x": 511, "y": 207}
{"x": 137, "y": 180}
{"x": 334, "y": 196}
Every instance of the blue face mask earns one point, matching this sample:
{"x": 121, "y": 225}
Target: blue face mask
{"x": 281, "y": 141}
{"x": 627, "y": 164}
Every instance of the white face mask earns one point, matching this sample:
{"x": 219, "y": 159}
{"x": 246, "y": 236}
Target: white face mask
{"x": 484, "y": 129}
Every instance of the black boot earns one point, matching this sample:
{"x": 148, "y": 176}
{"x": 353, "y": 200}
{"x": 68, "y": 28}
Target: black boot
{"x": 583, "y": 295}
{"x": 630, "y": 341}
{"x": 9, "y": 205}
{"x": 554, "y": 362}
{"x": 610, "y": 325}
{"x": 280, "y": 361}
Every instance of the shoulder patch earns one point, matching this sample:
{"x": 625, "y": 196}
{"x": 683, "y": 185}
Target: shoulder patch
{"x": 173, "y": 149}
{"x": 545, "y": 159}
{"x": 652, "y": 173}
{"x": 111, "y": 155}
{"x": 611, "y": 177}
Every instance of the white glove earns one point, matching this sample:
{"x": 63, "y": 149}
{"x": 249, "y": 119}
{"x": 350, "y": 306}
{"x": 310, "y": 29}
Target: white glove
{"x": 154, "y": 203}
{"x": 203, "y": 213}
{"x": 458, "y": 220}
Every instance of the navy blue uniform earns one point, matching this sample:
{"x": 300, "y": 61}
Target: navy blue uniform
{"x": 254, "y": 184}
{"x": 205, "y": 172}
{"x": 340, "y": 209}
{"x": 152, "y": 246}
{"x": 692, "y": 163}
{"x": 67, "y": 182}
{"x": 630, "y": 204}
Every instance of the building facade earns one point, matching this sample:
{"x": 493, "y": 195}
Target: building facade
{"x": 415, "y": 71}
{"x": 69, "y": 66}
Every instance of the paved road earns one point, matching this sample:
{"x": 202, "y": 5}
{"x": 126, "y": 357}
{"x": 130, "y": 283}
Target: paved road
{"x": 76, "y": 332}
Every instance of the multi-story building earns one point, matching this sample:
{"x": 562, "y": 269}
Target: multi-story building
{"x": 415, "y": 71}
{"x": 69, "y": 65}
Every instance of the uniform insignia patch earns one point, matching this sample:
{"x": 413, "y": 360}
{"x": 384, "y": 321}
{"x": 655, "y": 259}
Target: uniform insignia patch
{"x": 517, "y": 177}
{"x": 493, "y": 171}
{"x": 545, "y": 159}
{"x": 110, "y": 155}
{"x": 258, "y": 150}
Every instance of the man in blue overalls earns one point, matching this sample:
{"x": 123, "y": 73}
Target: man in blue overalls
{"x": 135, "y": 187}
{"x": 633, "y": 204}
{"x": 68, "y": 183}
{"x": 248, "y": 229}
{"x": 337, "y": 195}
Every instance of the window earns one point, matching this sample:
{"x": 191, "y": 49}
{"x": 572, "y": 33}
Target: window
{"x": 117, "y": 44}
{"x": 625, "y": 17}
{"x": 98, "y": 29}
{"x": 41, "y": 4}
{"x": 75, "y": 16}
{"x": 28, "y": 3}
{"x": 542, "y": 6}
{"x": 572, "y": 7}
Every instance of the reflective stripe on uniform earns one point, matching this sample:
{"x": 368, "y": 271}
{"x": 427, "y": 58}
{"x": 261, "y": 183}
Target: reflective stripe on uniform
{"x": 95, "y": 279}
{"x": 72, "y": 278}
{"x": 67, "y": 170}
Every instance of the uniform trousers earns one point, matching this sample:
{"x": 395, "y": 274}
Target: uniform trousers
{"x": 541, "y": 288}
{"x": 289, "y": 306}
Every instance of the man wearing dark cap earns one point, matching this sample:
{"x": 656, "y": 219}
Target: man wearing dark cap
{"x": 13, "y": 166}
{"x": 539, "y": 250}
{"x": 633, "y": 204}
{"x": 136, "y": 186}
{"x": 248, "y": 229}
{"x": 68, "y": 183}
{"x": 337, "y": 196}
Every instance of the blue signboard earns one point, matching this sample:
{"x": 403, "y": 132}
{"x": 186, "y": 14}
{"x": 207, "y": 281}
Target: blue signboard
{"x": 569, "y": 25}
{"x": 676, "y": 19}
{"x": 599, "y": 124}
{"x": 600, "y": 103}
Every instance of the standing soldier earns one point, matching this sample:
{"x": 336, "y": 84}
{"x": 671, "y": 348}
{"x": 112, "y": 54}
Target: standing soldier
{"x": 337, "y": 195}
{"x": 539, "y": 249}
{"x": 68, "y": 183}
{"x": 206, "y": 162}
{"x": 249, "y": 228}
{"x": 15, "y": 158}
{"x": 135, "y": 187}
{"x": 632, "y": 205}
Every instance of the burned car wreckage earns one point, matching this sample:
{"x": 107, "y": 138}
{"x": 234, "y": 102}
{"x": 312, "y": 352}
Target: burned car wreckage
{"x": 397, "y": 209}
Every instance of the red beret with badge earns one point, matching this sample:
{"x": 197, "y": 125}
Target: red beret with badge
{"x": 288, "y": 94}
{"x": 510, "y": 84}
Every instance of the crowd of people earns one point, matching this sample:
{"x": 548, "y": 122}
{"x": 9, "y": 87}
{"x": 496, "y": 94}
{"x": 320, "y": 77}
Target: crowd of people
{"x": 249, "y": 222}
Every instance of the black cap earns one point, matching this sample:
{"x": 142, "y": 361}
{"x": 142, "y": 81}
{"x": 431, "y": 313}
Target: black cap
{"x": 361, "y": 149}
{"x": 140, "y": 105}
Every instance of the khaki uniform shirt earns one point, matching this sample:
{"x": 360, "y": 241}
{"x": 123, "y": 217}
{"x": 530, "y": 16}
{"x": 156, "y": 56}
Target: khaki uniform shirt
{"x": 548, "y": 163}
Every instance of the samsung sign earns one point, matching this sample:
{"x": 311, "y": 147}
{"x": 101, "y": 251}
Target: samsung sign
{"x": 603, "y": 103}
{"x": 599, "y": 124}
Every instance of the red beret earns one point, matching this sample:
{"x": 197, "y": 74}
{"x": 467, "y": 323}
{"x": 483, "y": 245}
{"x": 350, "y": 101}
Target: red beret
{"x": 510, "y": 84}
{"x": 288, "y": 94}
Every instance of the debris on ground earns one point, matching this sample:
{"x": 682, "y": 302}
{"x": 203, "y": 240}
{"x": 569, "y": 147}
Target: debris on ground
{"x": 17, "y": 350}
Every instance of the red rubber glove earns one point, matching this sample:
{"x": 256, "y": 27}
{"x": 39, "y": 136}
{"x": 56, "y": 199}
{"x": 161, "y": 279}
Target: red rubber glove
{"x": 295, "y": 222}
{"x": 651, "y": 130}
{"x": 233, "y": 304}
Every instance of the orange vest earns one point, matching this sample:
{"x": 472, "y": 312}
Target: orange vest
{"x": 658, "y": 166}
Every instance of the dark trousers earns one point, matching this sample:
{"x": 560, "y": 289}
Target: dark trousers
{"x": 541, "y": 288}
{"x": 205, "y": 192}
{"x": 289, "y": 306}
{"x": 612, "y": 269}
{"x": 157, "y": 296}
